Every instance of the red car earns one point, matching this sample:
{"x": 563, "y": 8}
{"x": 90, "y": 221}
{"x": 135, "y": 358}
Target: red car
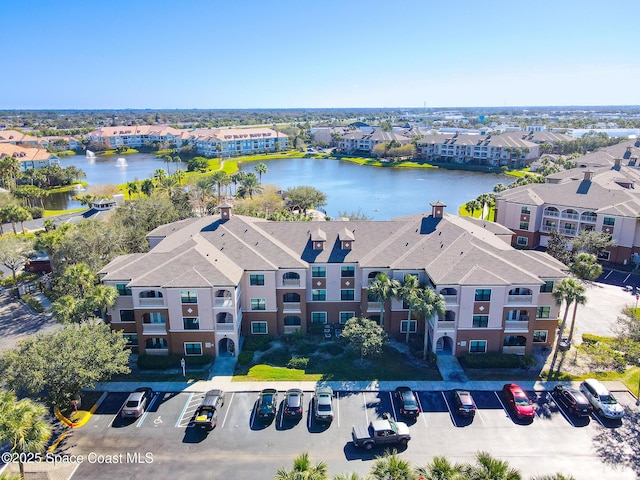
{"x": 518, "y": 401}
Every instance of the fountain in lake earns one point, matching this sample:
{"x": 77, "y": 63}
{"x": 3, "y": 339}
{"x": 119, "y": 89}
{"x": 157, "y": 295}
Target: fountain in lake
{"x": 121, "y": 162}
{"x": 90, "y": 154}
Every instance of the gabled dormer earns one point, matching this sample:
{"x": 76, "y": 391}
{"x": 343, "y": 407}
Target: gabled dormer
{"x": 346, "y": 238}
{"x": 318, "y": 239}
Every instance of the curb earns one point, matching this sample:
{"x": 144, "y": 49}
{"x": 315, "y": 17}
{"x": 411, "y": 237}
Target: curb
{"x": 87, "y": 416}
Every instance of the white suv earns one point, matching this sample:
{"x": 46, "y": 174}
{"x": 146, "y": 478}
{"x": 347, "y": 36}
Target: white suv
{"x": 602, "y": 400}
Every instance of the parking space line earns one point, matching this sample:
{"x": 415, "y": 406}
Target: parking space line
{"x": 503, "y": 407}
{"x": 364, "y": 401}
{"x": 595, "y": 415}
{"x": 338, "y": 408}
{"x": 449, "y": 409}
{"x": 626, "y": 278}
{"x": 146, "y": 412}
{"x": 119, "y": 410}
{"x": 607, "y": 276}
{"x": 253, "y": 414}
{"x": 480, "y": 417}
{"x": 565, "y": 415}
{"x": 421, "y": 409}
{"x": 227, "y": 412}
{"x": 393, "y": 407}
{"x": 309, "y": 415}
{"x": 184, "y": 409}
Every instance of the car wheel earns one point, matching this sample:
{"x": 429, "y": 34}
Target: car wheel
{"x": 368, "y": 446}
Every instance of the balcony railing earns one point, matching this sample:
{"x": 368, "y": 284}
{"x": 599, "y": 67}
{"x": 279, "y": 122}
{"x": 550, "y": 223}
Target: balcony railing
{"x": 588, "y": 218}
{"x": 519, "y": 299}
{"x": 156, "y": 351}
{"x": 224, "y": 327}
{"x": 291, "y": 307}
{"x": 516, "y": 326}
{"x": 570, "y": 216}
{"x": 151, "y": 302}
{"x": 154, "y": 328}
{"x": 570, "y": 232}
{"x": 224, "y": 302}
{"x": 373, "y": 306}
{"x": 450, "y": 299}
{"x": 291, "y": 282}
{"x": 516, "y": 350}
{"x": 446, "y": 325}
{"x": 548, "y": 213}
{"x": 291, "y": 328}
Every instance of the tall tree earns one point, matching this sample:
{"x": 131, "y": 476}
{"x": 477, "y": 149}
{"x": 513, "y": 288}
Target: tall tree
{"x": 471, "y": 206}
{"x": 579, "y": 299}
{"x": 557, "y": 247}
{"x": 431, "y": 303}
{"x": 409, "y": 292}
{"x": 219, "y": 179}
{"x": 249, "y": 186}
{"x": 147, "y": 187}
{"x": 132, "y": 187}
{"x": 585, "y": 266}
{"x": 592, "y": 242}
{"x": 14, "y": 253}
{"x": 23, "y": 426}
{"x": 260, "y": 169}
{"x": 365, "y": 336}
{"x": 566, "y": 292}
{"x": 383, "y": 288}
{"x": 58, "y": 364}
{"x": 304, "y": 197}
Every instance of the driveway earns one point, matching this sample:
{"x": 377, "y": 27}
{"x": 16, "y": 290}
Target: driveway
{"x": 604, "y": 305}
{"x": 18, "y": 322}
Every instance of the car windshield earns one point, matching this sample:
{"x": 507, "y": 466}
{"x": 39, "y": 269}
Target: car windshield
{"x": 608, "y": 399}
{"x": 294, "y": 400}
{"x": 324, "y": 407}
{"x": 521, "y": 401}
{"x": 267, "y": 400}
{"x": 132, "y": 403}
{"x": 409, "y": 401}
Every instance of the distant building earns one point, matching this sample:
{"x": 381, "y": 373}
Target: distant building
{"x": 228, "y": 142}
{"x": 16, "y": 138}
{"x": 135, "y": 136}
{"x": 28, "y": 157}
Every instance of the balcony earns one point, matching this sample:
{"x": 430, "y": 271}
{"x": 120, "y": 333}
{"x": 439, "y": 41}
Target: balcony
{"x": 444, "y": 325}
{"x": 156, "y": 351}
{"x": 570, "y": 216}
{"x": 154, "y": 328}
{"x": 291, "y": 329}
{"x": 291, "y": 307}
{"x": 224, "y": 327}
{"x": 291, "y": 282}
{"x": 373, "y": 306}
{"x": 588, "y": 218}
{"x": 151, "y": 302}
{"x": 516, "y": 326}
{"x": 224, "y": 302}
{"x": 515, "y": 350}
{"x": 548, "y": 213}
{"x": 569, "y": 232}
{"x": 519, "y": 299}
{"x": 450, "y": 299}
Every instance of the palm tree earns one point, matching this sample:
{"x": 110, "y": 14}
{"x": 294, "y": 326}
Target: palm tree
{"x": 260, "y": 169}
{"x": 168, "y": 185}
{"x": 555, "y": 476}
{"x": 579, "y": 299}
{"x": 585, "y": 266}
{"x": 9, "y": 169}
{"x": 431, "y": 304}
{"x": 408, "y": 292}
{"x": 489, "y": 468}
{"x": 236, "y": 178}
{"x": 220, "y": 178}
{"x": 383, "y": 288}
{"x": 565, "y": 291}
{"x": 159, "y": 174}
{"x": 201, "y": 191}
{"x": 179, "y": 176}
{"x": 391, "y": 467}
{"x": 471, "y": 206}
{"x": 176, "y": 159}
{"x": 440, "y": 468}
{"x": 101, "y": 298}
{"x": 23, "y": 426}
{"x": 132, "y": 187}
{"x": 249, "y": 186}
{"x": 168, "y": 159}
{"x": 147, "y": 187}
{"x": 303, "y": 469}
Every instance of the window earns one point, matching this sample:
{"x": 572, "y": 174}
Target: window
{"x": 609, "y": 221}
{"x": 477, "y": 346}
{"x": 259, "y": 328}
{"x": 413, "y": 326}
{"x": 318, "y": 272}
{"x": 155, "y": 317}
{"x": 123, "y": 290}
{"x": 543, "y": 312}
{"x": 344, "y": 316}
{"x": 547, "y": 287}
{"x": 256, "y": 280}
{"x": 347, "y": 294}
{"x": 480, "y": 321}
{"x": 258, "y": 304}
{"x": 524, "y": 225}
{"x": 348, "y": 272}
{"x": 127, "y": 316}
{"x": 191, "y": 323}
{"x": 132, "y": 339}
{"x": 318, "y": 295}
{"x": 292, "y": 321}
{"x": 603, "y": 255}
{"x": 525, "y": 211}
{"x": 483, "y": 295}
{"x": 540, "y": 336}
{"x": 523, "y": 241}
{"x": 192, "y": 348}
{"x": 189, "y": 296}
{"x": 291, "y": 298}
{"x": 318, "y": 317}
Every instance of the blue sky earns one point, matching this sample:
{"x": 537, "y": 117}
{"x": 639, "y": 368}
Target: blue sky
{"x": 79, "y": 54}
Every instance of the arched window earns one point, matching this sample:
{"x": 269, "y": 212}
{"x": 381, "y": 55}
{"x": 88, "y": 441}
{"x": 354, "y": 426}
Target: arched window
{"x": 291, "y": 279}
{"x": 291, "y": 297}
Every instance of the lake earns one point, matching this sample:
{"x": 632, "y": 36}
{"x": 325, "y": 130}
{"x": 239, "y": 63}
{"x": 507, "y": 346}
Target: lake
{"x": 380, "y": 193}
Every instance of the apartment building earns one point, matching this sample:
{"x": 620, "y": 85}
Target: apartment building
{"x": 598, "y": 195}
{"x": 135, "y": 136}
{"x": 16, "y": 138}
{"x": 363, "y": 141}
{"x": 206, "y": 282}
{"x": 489, "y": 150}
{"x": 229, "y": 142}
{"x": 28, "y": 157}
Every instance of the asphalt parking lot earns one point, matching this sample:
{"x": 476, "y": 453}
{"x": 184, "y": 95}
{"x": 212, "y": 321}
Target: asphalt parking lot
{"x": 161, "y": 444}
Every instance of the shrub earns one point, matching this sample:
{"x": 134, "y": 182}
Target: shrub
{"x": 163, "y": 362}
{"x": 257, "y": 342}
{"x": 490, "y": 360}
{"x": 300, "y": 363}
{"x": 432, "y": 358}
{"x": 245, "y": 357}
{"x": 332, "y": 349}
{"x": 36, "y": 212}
{"x": 277, "y": 357}
{"x": 305, "y": 348}
{"x": 33, "y": 303}
{"x": 590, "y": 339}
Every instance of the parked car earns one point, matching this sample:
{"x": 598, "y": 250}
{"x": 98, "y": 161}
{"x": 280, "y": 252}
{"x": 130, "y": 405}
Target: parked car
{"x": 323, "y": 407}
{"x": 137, "y": 402}
{"x": 408, "y": 402}
{"x": 207, "y": 413}
{"x": 464, "y": 403}
{"x": 293, "y": 402}
{"x": 565, "y": 344}
{"x": 381, "y": 432}
{"x": 267, "y": 403}
{"x": 572, "y": 399}
{"x": 518, "y": 401}
{"x": 601, "y": 399}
